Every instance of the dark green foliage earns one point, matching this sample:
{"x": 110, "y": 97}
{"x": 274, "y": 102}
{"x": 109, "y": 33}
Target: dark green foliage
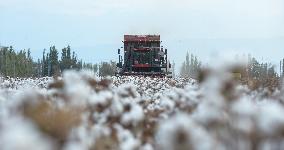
{"x": 260, "y": 71}
{"x": 53, "y": 61}
{"x": 190, "y": 67}
{"x": 16, "y": 64}
{"x": 21, "y": 64}
{"x": 107, "y": 69}
{"x": 260, "y": 74}
{"x": 90, "y": 66}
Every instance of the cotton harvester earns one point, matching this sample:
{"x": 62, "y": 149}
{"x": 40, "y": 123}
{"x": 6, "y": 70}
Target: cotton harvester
{"x": 143, "y": 55}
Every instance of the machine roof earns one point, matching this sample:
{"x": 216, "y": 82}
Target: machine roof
{"x": 141, "y": 37}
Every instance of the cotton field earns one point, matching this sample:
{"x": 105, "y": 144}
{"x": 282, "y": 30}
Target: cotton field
{"x": 81, "y": 111}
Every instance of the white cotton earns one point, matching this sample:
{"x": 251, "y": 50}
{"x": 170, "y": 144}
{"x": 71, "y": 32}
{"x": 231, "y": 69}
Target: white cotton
{"x": 134, "y": 116}
{"x": 126, "y": 139}
{"x": 270, "y": 118}
{"x": 178, "y": 113}
{"x": 116, "y": 107}
{"x": 147, "y": 147}
{"x": 244, "y": 112}
{"x": 17, "y": 133}
{"x": 167, "y": 103}
{"x": 193, "y": 136}
{"x": 102, "y": 97}
{"x": 76, "y": 88}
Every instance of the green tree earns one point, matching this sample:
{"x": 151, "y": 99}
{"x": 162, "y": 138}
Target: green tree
{"x": 107, "y": 69}
{"x": 64, "y": 60}
{"x": 53, "y": 60}
{"x": 190, "y": 67}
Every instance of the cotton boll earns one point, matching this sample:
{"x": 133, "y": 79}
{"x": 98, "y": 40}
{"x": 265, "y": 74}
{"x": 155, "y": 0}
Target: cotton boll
{"x": 147, "y": 147}
{"x": 127, "y": 90}
{"x": 144, "y": 113}
{"x": 134, "y": 115}
{"x": 270, "y": 119}
{"x": 22, "y": 98}
{"x": 4, "y": 110}
{"x": 212, "y": 107}
{"x": 126, "y": 139}
{"x": 76, "y": 88}
{"x": 75, "y": 146}
{"x": 210, "y": 113}
{"x": 23, "y": 83}
{"x": 180, "y": 132}
{"x": 167, "y": 103}
{"x": 17, "y": 133}
{"x": 243, "y": 117}
{"x": 116, "y": 107}
{"x": 80, "y": 137}
{"x": 102, "y": 98}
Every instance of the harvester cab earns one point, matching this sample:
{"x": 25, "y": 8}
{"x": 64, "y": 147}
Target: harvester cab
{"x": 143, "y": 55}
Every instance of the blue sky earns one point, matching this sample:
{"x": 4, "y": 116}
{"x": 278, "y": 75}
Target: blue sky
{"x": 95, "y": 28}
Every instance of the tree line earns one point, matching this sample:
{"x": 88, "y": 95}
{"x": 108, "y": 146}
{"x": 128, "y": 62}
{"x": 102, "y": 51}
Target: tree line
{"x": 14, "y": 63}
{"x": 21, "y": 64}
{"x": 260, "y": 74}
{"x": 255, "y": 74}
{"x": 190, "y": 67}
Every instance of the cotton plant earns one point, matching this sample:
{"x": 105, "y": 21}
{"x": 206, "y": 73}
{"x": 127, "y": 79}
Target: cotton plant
{"x": 82, "y": 111}
{"x": 182, "y": 133}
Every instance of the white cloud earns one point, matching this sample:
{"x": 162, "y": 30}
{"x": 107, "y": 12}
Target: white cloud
{"x": 193, "y": 18}
{"x": 95, "y": 7}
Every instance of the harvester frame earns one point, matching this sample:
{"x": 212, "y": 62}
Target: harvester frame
{"x": 143, "y": 55}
